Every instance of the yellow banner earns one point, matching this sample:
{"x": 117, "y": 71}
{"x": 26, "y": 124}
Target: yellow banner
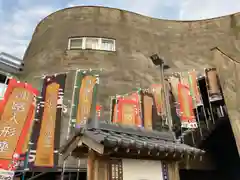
{"x": 85, "y": 99}
{"x": 128, "y": 114}
{"x": 147, "y": 104}
{"x": 45, "y": 144}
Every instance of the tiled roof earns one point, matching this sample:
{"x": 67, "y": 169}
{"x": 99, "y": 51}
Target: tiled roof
{"x": 135, "y": 138}
{"x": 138, "y": 139}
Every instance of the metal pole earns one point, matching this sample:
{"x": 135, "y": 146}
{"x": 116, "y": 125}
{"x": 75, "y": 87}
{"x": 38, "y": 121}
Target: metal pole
{"x": 41, "y": 174}
{"x": 166, "y": 95}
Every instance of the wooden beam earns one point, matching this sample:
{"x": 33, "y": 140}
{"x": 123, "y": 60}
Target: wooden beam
{"x": 103, "y": 167}
{"x": 71, "y": 147}
{"x": 173, "y": 171}
{"x": 93, "y": 144}
{"x": 90, "y": 165}
{"x": 206, "y": 163}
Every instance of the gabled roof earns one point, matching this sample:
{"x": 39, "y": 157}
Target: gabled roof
{"x": 10, "y": 64}
{"x": 113, "y": 139}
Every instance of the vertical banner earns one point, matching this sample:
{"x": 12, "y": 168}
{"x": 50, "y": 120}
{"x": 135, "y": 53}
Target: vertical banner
{"x": 213, "y": 86}
{"x": 85, "y": 96}
{"x": 98, "y": 111}
{"x": 127, "y": 111}
{"x": 174, "y": 80}
{"x": 45, "y": 139}
{"x": 187, "y": 116}
{"x": 147, "y": 111}
{"x": 114, "y": 110}
{"x": 159, "y": 98}
{"x": 194, "y": 89}
{"x": 135, "y": 97}
{"x": 16, "y": 110}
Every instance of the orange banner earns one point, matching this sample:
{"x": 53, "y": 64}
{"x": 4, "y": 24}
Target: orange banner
{"x": 159, "y": 98}
{"x": 136, "y": 99}
{"x": 45, "y": 144}
{"x": 16, "y": 117}
{"x": 127, "y": 112}
{"x": 13, "y": 119}
{"x": 187, "y": 116}
{"x": 85, "y": 99}
{"x": 147, "y": 109}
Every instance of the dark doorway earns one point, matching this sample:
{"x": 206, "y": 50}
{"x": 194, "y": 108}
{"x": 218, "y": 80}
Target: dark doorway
{"x": 221, "y": 145}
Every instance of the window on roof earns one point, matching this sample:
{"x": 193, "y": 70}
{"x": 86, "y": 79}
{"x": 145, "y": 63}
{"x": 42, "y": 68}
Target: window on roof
{"x": 92, "y": 43}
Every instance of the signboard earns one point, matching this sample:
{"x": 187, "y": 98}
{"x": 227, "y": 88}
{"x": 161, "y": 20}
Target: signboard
{"x": 16, "y": 111}
{"x": 45, "y": 139}
{"x": 135, "y": 169}
{"x": 147, "y": 111}
{"x": 6, "y": 175}
{"x": 84, "y": 104}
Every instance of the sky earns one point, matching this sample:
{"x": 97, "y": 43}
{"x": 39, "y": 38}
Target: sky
{"x": 18, "y": 18}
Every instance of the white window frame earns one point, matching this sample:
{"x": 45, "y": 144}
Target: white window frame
{"x": 114, "y": 46}
{"x": 99, "y": 46}
{"x": 69, "y": 43}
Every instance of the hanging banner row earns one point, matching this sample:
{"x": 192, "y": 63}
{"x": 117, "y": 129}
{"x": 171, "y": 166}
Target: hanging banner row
{"x": 147, "y": 107}
{"x": 30, "y": 125}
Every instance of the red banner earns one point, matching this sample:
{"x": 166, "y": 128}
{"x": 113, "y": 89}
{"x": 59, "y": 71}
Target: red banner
{"x": 98, "y": 111}
{"x": 16, "y": 112}
{"x": 135, "y": 97}
{"x": 187, "y": 116}
{"x": 129, "y": 110}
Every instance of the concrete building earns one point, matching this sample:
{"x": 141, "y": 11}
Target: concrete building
{"x": 120, "y": 43}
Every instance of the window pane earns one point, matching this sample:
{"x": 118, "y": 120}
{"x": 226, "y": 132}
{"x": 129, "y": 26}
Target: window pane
{"x": 2, "y": 78}
{"x": 3, "y": 88}
{"x": 107, "y": 44}
{"x": 76, "y": 43}
{"x": 91, "y": 43}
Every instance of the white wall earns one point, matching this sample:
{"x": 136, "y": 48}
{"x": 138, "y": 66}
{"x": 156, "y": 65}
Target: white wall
{"x": 141, "y": 170}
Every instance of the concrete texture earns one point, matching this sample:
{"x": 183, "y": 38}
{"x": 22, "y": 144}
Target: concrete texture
{"x": 184, "y": 45}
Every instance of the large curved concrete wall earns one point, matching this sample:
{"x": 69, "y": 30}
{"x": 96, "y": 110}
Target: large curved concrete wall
{"x": 184, "y": 45}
